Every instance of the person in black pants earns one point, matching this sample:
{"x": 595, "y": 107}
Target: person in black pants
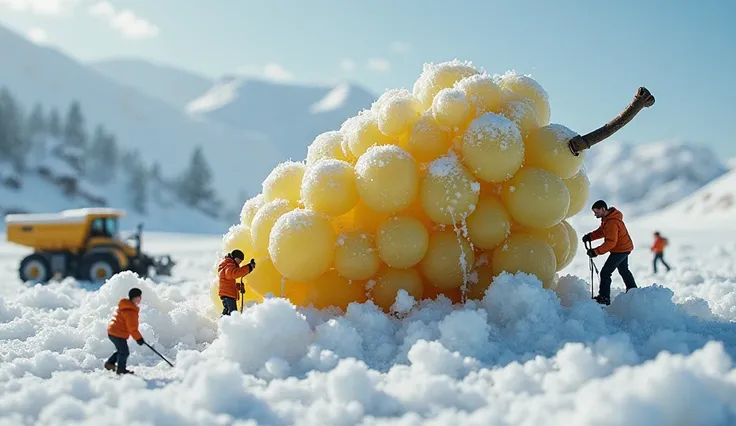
{"x": 617, "y": 242}
{"x": 124, "y": 324}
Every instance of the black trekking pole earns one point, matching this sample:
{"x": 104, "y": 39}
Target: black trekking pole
{"x": 242, "y": 294}
{"x": 156, "y": 352}
{"x": 593, "y": 267}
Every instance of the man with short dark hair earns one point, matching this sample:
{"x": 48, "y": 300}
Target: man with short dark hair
{"x": 124, "y": 324}
{"x": 617, "y": 242}
{"x": 228, "y": 271}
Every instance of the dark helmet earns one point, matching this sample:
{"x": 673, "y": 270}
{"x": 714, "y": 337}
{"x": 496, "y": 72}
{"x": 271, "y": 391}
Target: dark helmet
{"x": 237, "y": 254}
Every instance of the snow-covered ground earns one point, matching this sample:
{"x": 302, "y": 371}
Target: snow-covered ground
{"x": 660, "y": 355}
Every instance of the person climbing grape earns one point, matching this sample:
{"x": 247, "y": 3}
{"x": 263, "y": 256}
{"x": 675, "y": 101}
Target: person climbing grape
{"x": 617, "y": 242}
{"x": 228, "y": 271}
{"x": 122, "y": 325}
{"x": 658, "y": 249}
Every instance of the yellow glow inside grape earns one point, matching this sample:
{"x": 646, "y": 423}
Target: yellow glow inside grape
{"x": 263, "y": 280}
{"x": 427, "y": 139}
{"x": 362, "y": 132}
{"x": 536, "y": 198}
{"x": 388, "y": 283}
{"x": 402, "y": 241}
{"x": 329, "y": 187}
{"x": 435, "y": 77}
{"x": 250, "y": 208}
{"x": 490, "y": 224}
{"x": 579, "y": 188}
{"x": 431, "y": 292}
{"x": 285, "y": 182}
{"x": 448, "y": 261}
{"x": 360, "y": 218}
{"x": 492, "y": 148}
{"x": 482, "y": 92}
{"x": 525, "y": 253}
{"x": 356, "y": 257}
{"x": 331, "y": 289}
{"x": 573, "y": 239}
{"x": 264, "y": 220}
{"x": 398, "y": 113}
{"x": 528, "y": 87}
{"x": 448, "y": 192}
{"x": 451, "y": 108}
{"x": 557, "y": 238}
{"x": 238, "y": 237}
{"x": 417, "y": 212}
{"x": 388, "y": 178}
{"x": 522, "y": 114}
{"x": 302, "y": 245}
{"x": 326, "y": 145}
{"x": 546, "y": 148}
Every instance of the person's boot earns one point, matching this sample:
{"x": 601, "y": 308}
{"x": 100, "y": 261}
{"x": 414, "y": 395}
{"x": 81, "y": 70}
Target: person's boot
{"x": 110, "y": 366}
{"x": 126, "y": 371}
{"x": 603, "y": 300}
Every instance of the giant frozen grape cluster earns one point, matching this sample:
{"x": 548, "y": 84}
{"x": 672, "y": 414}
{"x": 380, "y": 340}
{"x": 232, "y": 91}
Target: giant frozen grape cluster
{"x": 433, "y": 191}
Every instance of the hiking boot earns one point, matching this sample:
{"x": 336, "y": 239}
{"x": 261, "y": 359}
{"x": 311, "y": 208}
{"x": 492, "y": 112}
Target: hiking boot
{"x": 603, "y": 300}
{"x": 125, "y": 372}
{"x": 110, "y": 366}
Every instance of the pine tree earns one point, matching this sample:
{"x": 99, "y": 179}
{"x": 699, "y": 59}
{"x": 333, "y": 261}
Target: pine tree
{"x": 14, "y": 145}
{"x": 75, "y": 137}
{"x": 195, "y": 183}
{"x": 102, "y": 159}
{"x": 138, "y": 185}
{"x": 37, "y": 132}
{"x": 54, "y": 124}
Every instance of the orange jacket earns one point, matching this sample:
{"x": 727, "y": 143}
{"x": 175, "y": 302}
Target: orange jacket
{"x": 228, "y": 271}
{"x": 659, "y": 244}
{"x": 613, "y": 230}
{"x": 124, "y": 321}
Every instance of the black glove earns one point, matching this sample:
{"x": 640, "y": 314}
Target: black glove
{"x": 587, "y": 238}
{"x": 241, "y": 288}
{"x": 140, "y": 341}
{"x": 591, "y": 253}
{"x": 252, "y": 264}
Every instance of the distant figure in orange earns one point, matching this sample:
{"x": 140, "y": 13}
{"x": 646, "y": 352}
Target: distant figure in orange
{"x": 658, "y": 249}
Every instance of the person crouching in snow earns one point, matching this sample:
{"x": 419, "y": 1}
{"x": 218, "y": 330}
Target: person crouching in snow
{"x": 228, "y": 271}
{"x": 124, "y": 323}
{"x": 616, "y": 241}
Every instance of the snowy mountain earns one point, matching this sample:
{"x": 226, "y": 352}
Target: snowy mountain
{"x": 159, "y": 131}
{"x": 641, "y": 179}
{"x": 289, "y": 116}
{"x": 711, "y": 207}
{"x": 169, "y": 84}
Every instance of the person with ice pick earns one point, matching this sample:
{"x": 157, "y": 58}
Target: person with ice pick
{"x": 122, "y": 325}
{"x": 228, "y": 271}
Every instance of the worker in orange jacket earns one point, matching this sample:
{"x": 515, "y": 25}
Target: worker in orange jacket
{"x": 228, "y": 271}
{"x": 617, "y": 242}
{"x": 658, "y": 249}
{"x": 124, "y": 324}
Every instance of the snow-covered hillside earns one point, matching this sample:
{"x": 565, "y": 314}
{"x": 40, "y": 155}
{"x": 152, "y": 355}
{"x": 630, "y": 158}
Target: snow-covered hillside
{"x": 172, "y": 85}
{"x": 659, "y": 355}
{"x": 644, "y": 178}
{"x": 710, "y": 207}
{"x": 289, "y": 116}
{"x": 160, "y": 132}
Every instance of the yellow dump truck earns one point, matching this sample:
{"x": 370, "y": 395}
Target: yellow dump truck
{"x": 81, "y": 243}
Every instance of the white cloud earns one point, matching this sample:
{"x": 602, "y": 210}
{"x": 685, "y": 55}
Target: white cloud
{"x": 379, "y": 64}
{"x": 400, "y": 47}
{"x": 271, "y": 71}
{"x": 124, "y": 21}
{"x": 41, "y": 7}
{"x": 37, "y": 35}
{"x": 347, "y": 64}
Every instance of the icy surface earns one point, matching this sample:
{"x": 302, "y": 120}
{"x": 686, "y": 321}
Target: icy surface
{"x": 493, "y": 127}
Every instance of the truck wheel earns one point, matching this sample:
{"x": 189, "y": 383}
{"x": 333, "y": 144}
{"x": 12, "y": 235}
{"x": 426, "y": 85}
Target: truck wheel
{"x": 98, "y": 267}
{"x": 35, "y": 268}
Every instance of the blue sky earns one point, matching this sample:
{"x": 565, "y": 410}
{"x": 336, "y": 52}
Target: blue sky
{"x": 589, "y": 55}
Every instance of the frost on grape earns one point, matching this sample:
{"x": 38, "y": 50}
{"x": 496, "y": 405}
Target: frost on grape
{"x": 561, "y": 133}
{"x": 250, "y": 208}
{"x": 513, "y": 78}
{"x": 495, "y": 127}
{"x": 448, "y": 165}
{"x": 378, "y": 155}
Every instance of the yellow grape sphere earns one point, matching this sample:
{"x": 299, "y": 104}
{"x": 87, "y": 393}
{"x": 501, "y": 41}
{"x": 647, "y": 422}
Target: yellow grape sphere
{"x": 302, "y": 245}
{"x": 427, "y": 139}
{"x": 264, "y": 280}
{"x": 362, "y": 132}
{"x": 387, "y": 178}
{"x": 546, "y": 148}
{"x": 436, "y": 77}
{"x": 250, "y": 208}
{"x": 388, "y": 283}
{"x": 492, "y": 148}
{"x": 238, "y": 237}
{"x": 482, "y": 92}
{"x": 536, "y": 198}
{"x": 285, "y": 182}
{"x": 573, "y": 239}
{"x": 490, "y": 224}
{"x": 402, "y": 241}
{"x": 579, "y": 188}
{"x": 326, "y": 145}
{"x": 529, "y": 88}
{"x": 448, "y": 191}
{"x": 356, "y": 257}
{"x": 331, "y": 289}
{"x": 264, "y": 220}
{"x": 448, "y": 261}
{"x": 557, "y": 238}
{"x": 525, "y": 253}
{"x": 329, "y": 187}
{"x": 451, "y": 108}
{"x": 522, "y": 114}
{"x": 398, "y": 113}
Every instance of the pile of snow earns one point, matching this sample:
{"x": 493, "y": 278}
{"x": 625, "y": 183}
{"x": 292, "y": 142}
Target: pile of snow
{"x": 641, "y": 179}
{"x": 662, "y": 354}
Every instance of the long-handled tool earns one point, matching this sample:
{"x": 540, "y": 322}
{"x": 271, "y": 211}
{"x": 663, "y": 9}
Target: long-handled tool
{"x": 242, "y": 294}
{"x": 156, "y": 352}
{"x": 593, "y": 267}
